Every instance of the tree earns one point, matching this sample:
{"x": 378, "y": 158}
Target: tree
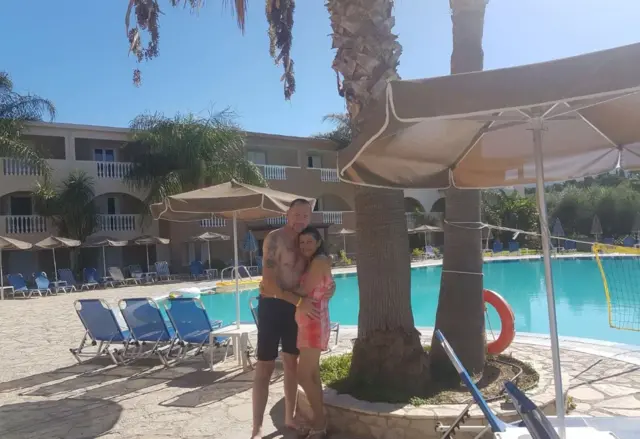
{"x": 70, "y": 206}
{"x": 460, "y": 297}
{"x": 173, "y": 155}
{"x": 388, "y": 352}
{"x": 15, "y": 110}
{"x": 510, "y": 210}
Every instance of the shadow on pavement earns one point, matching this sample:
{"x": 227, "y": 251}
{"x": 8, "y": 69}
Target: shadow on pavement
{"x": 58, "y": 374}
{"x": 67, "y": 418}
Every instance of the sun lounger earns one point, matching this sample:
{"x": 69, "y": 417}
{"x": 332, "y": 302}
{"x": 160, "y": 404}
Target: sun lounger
{"x": 19, "y": 285}
{"x": 117, "y": 278}
{"x": 42, "y": 285}
{"x": 90, "y": 276}
{"x": 104, "y": 327}
{"x": 197, "y": 270}
{"x": 430, "y": 253}
{"x": 148, "y": 326}
{"x": 194, "y": 327}
{"x": 514, "y": 247}
{"x": 162, "y": 269}
{"x": 535, "y": 424}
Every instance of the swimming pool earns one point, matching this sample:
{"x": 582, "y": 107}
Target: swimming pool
{"x": 580, "y": 300}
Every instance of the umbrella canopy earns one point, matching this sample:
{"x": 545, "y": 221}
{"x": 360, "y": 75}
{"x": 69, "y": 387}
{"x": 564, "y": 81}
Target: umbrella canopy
{"x": 54, "y": 242}
{"x": 226, "y": 200}
{"x": 150, "y": 240}
{"x": 596, "y": 227}
{"x": 9, "y": 244}
{"x": 208, "y": 237}
{"x": 250, "y": 244}
{"x": 474, "y": 130}
{"x": 425, "y": 228}
{"x": 345, "y": 232}
{"x": 104, "y": 241}
{"x": 557, "y": 228}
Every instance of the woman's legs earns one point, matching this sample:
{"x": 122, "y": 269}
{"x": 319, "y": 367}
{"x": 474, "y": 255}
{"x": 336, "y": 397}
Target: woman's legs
{"x": 309, "y": 378}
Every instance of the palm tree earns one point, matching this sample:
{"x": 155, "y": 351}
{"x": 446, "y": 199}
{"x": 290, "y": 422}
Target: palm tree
{"x": 15, "y": 110}
{"x": 172, "y": 155}
{"x": 460, "y": 297}
{"x": 70, "y": 207}
{"x": 387, "y": 352}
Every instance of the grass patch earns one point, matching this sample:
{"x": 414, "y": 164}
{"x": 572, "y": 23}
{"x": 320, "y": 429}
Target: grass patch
{"x": 334, "y": 372}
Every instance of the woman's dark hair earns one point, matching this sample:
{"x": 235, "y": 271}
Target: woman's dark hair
{"x": 315, "y": 234}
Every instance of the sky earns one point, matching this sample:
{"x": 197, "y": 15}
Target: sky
{"x": 75, "y": 52}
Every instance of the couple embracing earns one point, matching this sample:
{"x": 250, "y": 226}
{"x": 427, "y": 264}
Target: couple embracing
{"x": 293, "y": 313}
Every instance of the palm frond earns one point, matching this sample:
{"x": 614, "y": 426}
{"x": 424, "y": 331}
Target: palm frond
{"x": 280, "y": 18}
{"x": 342, "y": 132}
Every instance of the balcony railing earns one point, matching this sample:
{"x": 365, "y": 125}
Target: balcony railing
{"x": 25, "y": 224}
{"x": 213, "y": 222}
{"x": 329, "y": 175}
{"x": 277, "y": 221}
{"x": 117, "y": 223}
{"x": 12, "y": 166}
{"x": 332, "y": 217}
{"x": 274, "y": 172}
{"x": 116, "y": 170}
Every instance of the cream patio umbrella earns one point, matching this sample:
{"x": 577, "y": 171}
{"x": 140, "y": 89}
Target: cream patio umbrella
{"x": 596, "y": 227}
{"x": 54, "y": 242}
{"x": 104, "y": 241}
{"x": 148, "y": 240}
{"x": 425, "y": 229}
{"x": 552, "y": 121}
{"x": 232, "y": 200}
{"x": 344, "y": 233}
{"x": 208, "y": 237}
{"x": 9, "y": 244}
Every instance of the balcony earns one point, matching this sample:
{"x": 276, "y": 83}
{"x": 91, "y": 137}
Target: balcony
{"x": 117, "y": 223}
{"x": 210, "y": 223}
{"x": 116, "y": 170}
{"x": 25, "y": 224}
{"x": 277, "y": 221}
{"x": 328, "y": 175}
{"x": 11, "y": 166}
{"x": 274, "y": 172}
{"x": 332, "y": 217}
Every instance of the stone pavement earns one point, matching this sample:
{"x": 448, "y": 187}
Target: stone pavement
{"x": 44, "y": 394}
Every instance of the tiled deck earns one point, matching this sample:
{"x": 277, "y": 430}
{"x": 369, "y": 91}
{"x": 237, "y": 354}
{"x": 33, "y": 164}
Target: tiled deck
{"x": 43, "y": 394}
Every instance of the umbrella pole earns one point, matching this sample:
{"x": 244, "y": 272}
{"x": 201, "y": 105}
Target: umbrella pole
{"x": 1, "y": 278}
{"x": 209, "y": 253}
{"x": 55, "y": 266}
{"x": 104, "y": 262}
{"x": 147, "y": 247}
{"x": 235, "y": 264}
{"x": 344, "y": 244}
{"x": 546, "y": 253}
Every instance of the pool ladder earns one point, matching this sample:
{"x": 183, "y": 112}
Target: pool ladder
{"x": 232, "y": 275}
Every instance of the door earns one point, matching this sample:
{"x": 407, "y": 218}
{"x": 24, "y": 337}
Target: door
{"x": 314, "y": 161}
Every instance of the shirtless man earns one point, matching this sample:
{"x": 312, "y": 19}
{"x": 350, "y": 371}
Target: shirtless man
{"x": 283, "y": 266}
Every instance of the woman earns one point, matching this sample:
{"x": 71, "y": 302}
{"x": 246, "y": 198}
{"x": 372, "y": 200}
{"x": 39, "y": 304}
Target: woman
{"x": 313, "y": 334}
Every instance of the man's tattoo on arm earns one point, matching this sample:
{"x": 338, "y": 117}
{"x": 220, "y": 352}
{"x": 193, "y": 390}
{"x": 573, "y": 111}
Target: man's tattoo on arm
{"x": 271, "y": 253}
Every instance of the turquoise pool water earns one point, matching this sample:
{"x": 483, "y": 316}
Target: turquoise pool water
{"x": 580, "y": 300}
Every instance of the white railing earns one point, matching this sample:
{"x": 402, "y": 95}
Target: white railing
{"x": 332, "y": 217}
{"x": 329, "y": 175}
{"x": 25, "y": 224}
{"x": 117, "y": 223}
{"x": 12, "y": 166}
{"x": 274, "y": 172}
{"x": 277, "y": 221}
{"x": 213, "y": 222}
{"x": 116, "y": 170}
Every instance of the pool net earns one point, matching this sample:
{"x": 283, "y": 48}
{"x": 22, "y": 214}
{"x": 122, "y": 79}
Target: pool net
{"x": 620, "y": 271}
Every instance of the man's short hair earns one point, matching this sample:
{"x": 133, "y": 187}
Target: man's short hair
{"x": 299, "y": 201}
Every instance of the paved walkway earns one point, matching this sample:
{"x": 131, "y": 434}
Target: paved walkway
{"x": 43, "y": 394}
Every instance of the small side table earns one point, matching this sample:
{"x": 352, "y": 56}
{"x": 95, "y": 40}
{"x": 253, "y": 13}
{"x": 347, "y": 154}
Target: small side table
{"x": 239, "y": 337}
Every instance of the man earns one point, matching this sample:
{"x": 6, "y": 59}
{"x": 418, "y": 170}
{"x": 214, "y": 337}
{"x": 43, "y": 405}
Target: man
{"x": 282, "y": 268}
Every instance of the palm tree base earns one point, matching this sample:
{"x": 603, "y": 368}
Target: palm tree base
{"x": 390, "y": 363}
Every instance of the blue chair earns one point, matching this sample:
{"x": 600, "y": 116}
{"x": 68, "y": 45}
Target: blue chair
{"x": 20, "y": 286}
{"x": 194, "y": 327}
{"x": 608, "y": 241}
{"x": 514, "y": 247}
{"x": 90, "y": 278}
{"x": 102, "y": 326}
{"x": 42, "y": 284}
{"x": 570, "y": 246}
{"x": 497, "y": 247}
{"x": 148, "y": 325}
{"x": 197, "y": 270}
{"x": 629, "y": 241}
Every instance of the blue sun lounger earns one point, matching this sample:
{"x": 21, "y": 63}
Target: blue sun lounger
{"x": 534, "y": 424}
{"x": 194, "y": 327}
{"x": 102, "y": 328}
{"x": 148, "y": 327}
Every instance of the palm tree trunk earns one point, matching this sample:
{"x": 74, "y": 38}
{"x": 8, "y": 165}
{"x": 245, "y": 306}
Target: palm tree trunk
{"x": 460, "y": 314}
{"x": 387, "y": 352}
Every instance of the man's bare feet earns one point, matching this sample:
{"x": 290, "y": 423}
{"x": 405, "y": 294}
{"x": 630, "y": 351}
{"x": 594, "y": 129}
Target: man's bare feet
{"x": 257, "y": 433}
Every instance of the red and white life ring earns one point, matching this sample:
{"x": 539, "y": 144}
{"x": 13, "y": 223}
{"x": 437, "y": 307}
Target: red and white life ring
{"x": 507, "y": 320}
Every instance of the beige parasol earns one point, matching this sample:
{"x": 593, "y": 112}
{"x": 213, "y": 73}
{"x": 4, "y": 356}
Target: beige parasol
{"x": 558, "y": 120}
{"x": 148, "y": 240}
{"x": 344, "y": 233}
{"x": 233, "y": 200}
{"x": 425, "y": 229}
{"x": 9, "y": 244}
{"x": 208, "y": 237}
{"x": 54, "y": 242}
{"x": 104, "y": 241}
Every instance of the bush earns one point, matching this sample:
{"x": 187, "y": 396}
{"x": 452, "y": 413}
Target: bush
{"x": 417, "y": 253}
{"x": 344, "y": 260}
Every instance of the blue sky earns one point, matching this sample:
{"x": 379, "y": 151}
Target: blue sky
{"x": 75, "y": 53}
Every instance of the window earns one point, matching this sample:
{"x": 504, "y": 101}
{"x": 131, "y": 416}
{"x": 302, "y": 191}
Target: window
{"x": 317, "y": 207}
{"x": 21, "y": 206}
{"x": 314, "y": 161}
{"x": 257, "y": 157}
{"x": 104, "y": 155}
{"x": 111, "y": 206}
